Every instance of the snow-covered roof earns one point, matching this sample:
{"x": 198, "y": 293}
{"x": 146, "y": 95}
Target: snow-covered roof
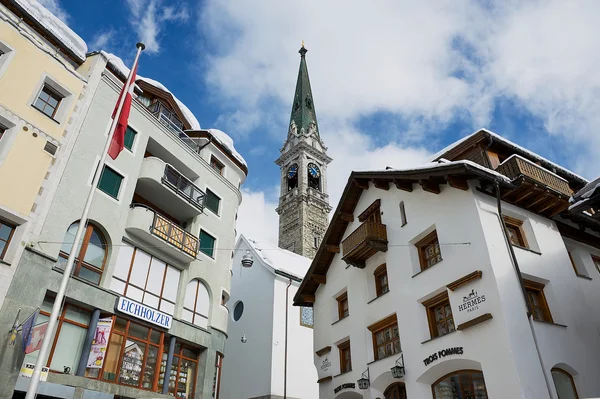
{"x": 509, "y": 143}
{"x": 226, "y": 141}
{"x": 280, "y": 259}
{"x": 57, "y": 28}
{"x": 588, "y": 190}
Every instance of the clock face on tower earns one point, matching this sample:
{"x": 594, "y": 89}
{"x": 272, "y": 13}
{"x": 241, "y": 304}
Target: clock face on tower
{"x": 314, "y": 170}
{"x": 292, "y": 171}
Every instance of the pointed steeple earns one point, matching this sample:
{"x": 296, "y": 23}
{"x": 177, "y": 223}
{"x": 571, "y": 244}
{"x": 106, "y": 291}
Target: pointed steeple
{"x": 303, "y": 107}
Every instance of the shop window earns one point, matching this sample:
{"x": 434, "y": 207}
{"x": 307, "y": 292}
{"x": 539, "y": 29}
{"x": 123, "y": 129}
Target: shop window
{"x": 216, "y": 165}
{"x": 515, "y": 231}
{"x": 48, "y": 101}
{"x": 145, "y": 279}
{"x": 207, "y": 243}
{"x": 68, "y": 340}
{"x": 130, "y": 135}
{"x": 306, "y": 316}
{"x": 381, "y": 280}
{"x": 596, "y": 260}
{"x": 196, "y": 304}
{"x": 182, "y": 378}
{"x": 564, "y": 384}
{"x": 217, "y": 377}
{"x": 386, "y": 339}
{"x": 342, "y": 304}
{"x": 6, "y": 233}
{"x": 537, "y": 301}
{"x": 92, "y": 255}
{"x": 459, "y": 385}
{"x": 110, "y": 182}
{"x": 439, "y": 315}
{"x": 345, "y": 357}
{"x": 212, "y": 201}
{"x": 429, "y": 250}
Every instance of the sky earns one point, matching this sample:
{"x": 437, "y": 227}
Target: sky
{"x": 393, "y": 81}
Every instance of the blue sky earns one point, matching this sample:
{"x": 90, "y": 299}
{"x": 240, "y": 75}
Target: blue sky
{"x": 393, "y": 81}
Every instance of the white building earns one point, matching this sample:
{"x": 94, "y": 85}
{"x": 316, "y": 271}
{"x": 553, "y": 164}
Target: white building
{"x": 417, "y": 269}
{"x": 260, "y": 306}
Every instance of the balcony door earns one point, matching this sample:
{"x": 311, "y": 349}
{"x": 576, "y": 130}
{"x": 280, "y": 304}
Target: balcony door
{"x": 396, "y": 391}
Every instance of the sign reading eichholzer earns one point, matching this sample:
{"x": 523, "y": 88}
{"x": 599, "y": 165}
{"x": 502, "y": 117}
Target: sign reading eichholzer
{"x": 143, "y": 312}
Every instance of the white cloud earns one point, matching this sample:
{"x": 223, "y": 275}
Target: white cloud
{"x": 257, "y": 218}
{"x": 102, "y": 40}
{"x": 55, "y": 8}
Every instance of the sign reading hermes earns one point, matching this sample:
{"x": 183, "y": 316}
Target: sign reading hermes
{"x": 471, "y": 302}
{"x": 143, "y": 312}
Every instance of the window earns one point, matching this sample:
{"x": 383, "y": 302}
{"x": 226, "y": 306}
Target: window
{"x": 48, "y": 101}
{"x": 439, "y": 314}
{"x": 217, "y": 377}
{"x": 216, "y": 164}
{"x": 314, "y": 177}
{"x": 6, "y": 234}
{"x": 292, "y": 177}
{"x": 429, "y": 250}
{"x": 212, "y": 201}
{"x": 345, "y": 358}
{"x": 381, "y": 280}
{"x": 460, "y": 384}
{"x": 573, "y": 264}
{"x": 110, "y": 182}
{"x": 342, "y": 303}
{"x": 596, "y": 260}
{"x": 386, "y": 339}
{"x": 537, "y": 301}
{"x": 207, "y": 243}
{"x": 90, "y": 261}
{"x": 515, "y": 231}
{"x": 129, "y": 138}
{"x": 238, "y": 310}
{"x": 145, "y": 279}
{"x": 68, "y": 340}
{"x": 306, "y": 316}
{"x": 316, "y": 240}
{"x": 564, "y": 384}
{"x": 183, "y": 371}
{"x": 196, "y": 304}
{"x": 402, "y": 214}
{"x": 2, "y": 131}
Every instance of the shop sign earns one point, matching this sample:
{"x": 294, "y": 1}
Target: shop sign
{"x": 471, "y": 302}
{"x": 325, "y": 365}
{"x": 349, "y": 385}
{"x": 99, "y": 344}
{"x": 443, "y": 353}
{"x": 27, "y": 371}
{"x": 143, "y": 312}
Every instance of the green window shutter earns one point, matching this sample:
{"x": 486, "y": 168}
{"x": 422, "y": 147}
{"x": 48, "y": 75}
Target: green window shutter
{"x": 110, "y": 182}
{"x": 207, "y": 243}
{"x": 129, "y": 138}
{"x": 212, "y": 201}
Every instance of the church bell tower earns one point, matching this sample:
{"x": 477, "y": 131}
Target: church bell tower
{"x": 303, "y": 203}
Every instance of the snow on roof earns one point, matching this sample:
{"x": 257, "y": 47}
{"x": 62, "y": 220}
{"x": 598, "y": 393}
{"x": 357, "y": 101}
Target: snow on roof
{"x": 588, "y": 190}
{"x": 226, "y": 141}
{"x": 281, "y": 259}
{"x": 54, "y": 26}
{"x": 513, "y": 145}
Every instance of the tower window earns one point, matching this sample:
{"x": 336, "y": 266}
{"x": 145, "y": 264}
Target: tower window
{"x": 317, "y": 240}
{"x": 314, "y": 177}
{"x": 292, "y": 177}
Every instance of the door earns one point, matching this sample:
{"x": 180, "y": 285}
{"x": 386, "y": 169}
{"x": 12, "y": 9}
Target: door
{"x": 396, "y": 391}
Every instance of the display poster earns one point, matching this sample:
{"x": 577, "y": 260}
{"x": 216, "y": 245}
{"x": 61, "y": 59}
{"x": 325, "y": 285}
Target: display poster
{"x": 99, "y": 344}
{"x": 27, "y": 371}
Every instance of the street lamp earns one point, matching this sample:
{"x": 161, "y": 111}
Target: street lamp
{"x": 247, "y": 259}
{"x": 398, "y": 369}
{"x": 364, "y": 382}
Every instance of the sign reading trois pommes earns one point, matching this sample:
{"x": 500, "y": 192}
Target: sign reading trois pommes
{"x": 443, "y": 353}
{"x": 143, "y": 312}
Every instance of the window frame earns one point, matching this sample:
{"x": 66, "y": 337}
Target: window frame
{"x": 313, "y": 317}
{"x": 385, "y": 324}
{"x": 218, "y": 210}
{"x": 52, "y": 93}
{"x": 422, "y": 245}
{"x": 517, "y": 226}
{"x": 380, "y": 272}
{"x": 10, "y": 237}
{"x": 596, "y": 261}
{"x": 178, "y": 370}
{"x": 577, "y": 272}
{"x": 193, "y": 311}
{"x": 120, "y": 184}
{"x": 213, "y": 249}
{"x": 564, "y": 372}
{"x": 345, "y": 356}
{"x": 341, "y": 299}
{"x": 79, "y": 258}
{"x": 430, "y": 306}
{"x": 129, "y": 129}
{"x": 217, "y": 165}
{"x": 538, "y": 288}
{"x": 457, "y": 372}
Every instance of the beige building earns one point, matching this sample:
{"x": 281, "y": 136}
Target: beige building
{"x": 42, "y": 78}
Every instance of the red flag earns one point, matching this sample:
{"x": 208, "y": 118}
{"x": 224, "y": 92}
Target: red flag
{"x": 118, "y": 140}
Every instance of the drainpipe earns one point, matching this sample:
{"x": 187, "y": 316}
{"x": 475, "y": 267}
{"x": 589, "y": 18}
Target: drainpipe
{"x": 165, "y": 387}
{"x": 286, "y": 342}
{"x": 522, "y": 284}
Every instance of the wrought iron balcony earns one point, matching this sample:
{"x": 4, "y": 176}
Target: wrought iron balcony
{"x": 184, "y": 187}
{"x": 517, "y": 166}
{"x": 169, "y": 120}
{"x": 368, "y": 239}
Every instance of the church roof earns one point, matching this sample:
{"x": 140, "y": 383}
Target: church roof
{"x": 303, "y": 107}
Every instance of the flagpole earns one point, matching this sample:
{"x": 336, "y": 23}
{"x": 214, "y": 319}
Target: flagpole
{"x": 43, "y": 354}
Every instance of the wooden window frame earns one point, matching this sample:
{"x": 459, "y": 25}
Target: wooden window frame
{"x": 577, "y": 273}
{"x": 217, "y": 165}
{"x": 51, "y": 93}
{"x": 465, "y": 371}
{"x": 10, "y": 237}
{"x": 372, "y": 214}
{"x": 180, "y": 357}
{"x": 343, "y": 298}
{"x": 343, "y": 359}
{"x": 388, "y": 322}
{"x": 517, "y": 226}
{"x": 422, "y": 244}
{"x": 561, "y": 371}
{"x": 539, "y": 289}
{"x": 430, "y": 306}
{"x": 79, "y": 263}
{"x": 596, "y": 260}
{"x": 194, "y": 313}
{"x": 378, "y": 274}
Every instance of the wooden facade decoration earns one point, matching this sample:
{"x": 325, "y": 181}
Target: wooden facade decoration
{"x": 346, "y": 217}
{"x": 368, "y": 239}
{"x": 465, "y": 279}
{"x": 381, "y": 184}
{"x": 334, "y": 249}
{"x": 404, "y": 185}
{"x": 457, "y": 182}
{"x": 363, "y": 184}
{"x": 319, "y": 278}
{"x": 429, "y": 186}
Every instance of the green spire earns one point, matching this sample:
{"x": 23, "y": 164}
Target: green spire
{"x": 303, "y": 108}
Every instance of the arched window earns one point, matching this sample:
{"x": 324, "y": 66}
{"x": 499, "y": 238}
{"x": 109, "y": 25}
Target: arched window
{"x": 196, "y": 304}
{"x": 292, "y": 177}
{"x": 91, "y": 258}
{"x": 565, "y": 386}
{"x": 314, "y": 176}
{"x": 460, "y": 384}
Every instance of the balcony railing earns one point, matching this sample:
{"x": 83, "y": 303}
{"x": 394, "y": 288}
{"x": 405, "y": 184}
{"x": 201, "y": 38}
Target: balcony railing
{"x": 184, "y": 187}
{"x": 364, "y": 242}
{"x": 174, "y": 235}
{"x": 173, "y": 125}
{"x": 517, "y": 166}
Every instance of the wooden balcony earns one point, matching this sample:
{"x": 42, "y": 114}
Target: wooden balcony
{"x": 174, "y": 235}
{"x": 364, "y": 242}
{"x": 516, "y": 167}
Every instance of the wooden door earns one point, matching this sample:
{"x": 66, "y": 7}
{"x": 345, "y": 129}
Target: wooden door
{"x": 395, "y": 392}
